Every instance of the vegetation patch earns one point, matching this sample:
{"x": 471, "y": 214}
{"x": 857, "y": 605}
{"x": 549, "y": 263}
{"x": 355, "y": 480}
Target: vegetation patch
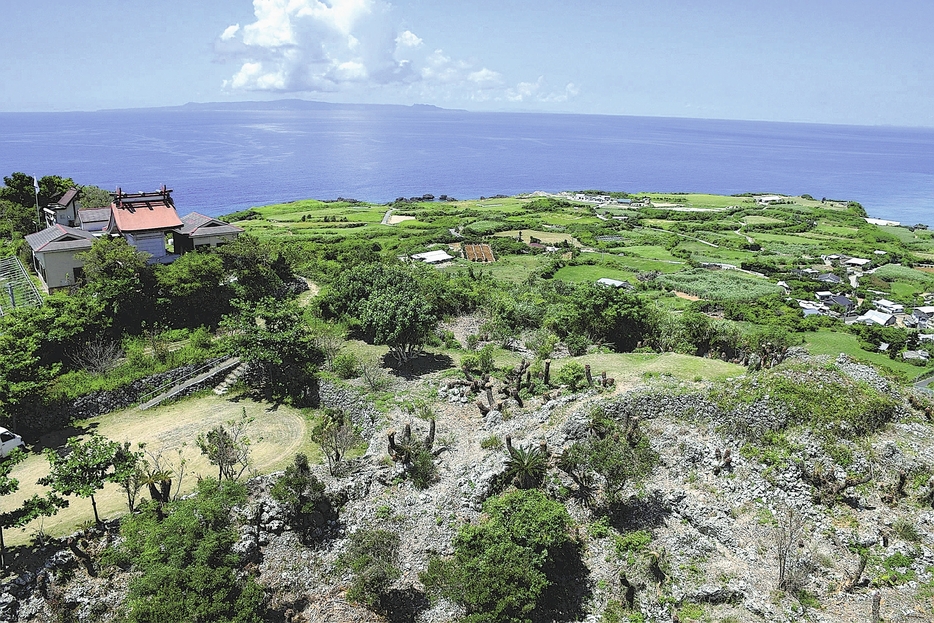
{"x": 719, "y": 285}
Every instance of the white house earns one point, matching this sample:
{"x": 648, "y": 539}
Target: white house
{"x": 889, "y": 307}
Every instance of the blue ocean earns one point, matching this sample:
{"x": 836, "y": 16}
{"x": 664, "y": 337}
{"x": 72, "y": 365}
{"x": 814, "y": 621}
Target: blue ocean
{"x": 223, "y": 157}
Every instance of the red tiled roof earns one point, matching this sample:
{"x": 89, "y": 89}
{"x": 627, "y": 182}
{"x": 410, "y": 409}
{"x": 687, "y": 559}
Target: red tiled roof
{"x": 143, "y": 216}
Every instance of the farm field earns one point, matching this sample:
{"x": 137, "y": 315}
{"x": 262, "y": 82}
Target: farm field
{"x": 833, "y": 343}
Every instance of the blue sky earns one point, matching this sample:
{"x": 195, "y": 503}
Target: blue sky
{"x": 830, "y": 61}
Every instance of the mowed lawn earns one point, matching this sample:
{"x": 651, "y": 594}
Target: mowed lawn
{"x": 276, "y": 435}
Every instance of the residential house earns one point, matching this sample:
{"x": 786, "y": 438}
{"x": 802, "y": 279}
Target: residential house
{"x": 915, "y": 355}
{"x": 202, "y": 232}
{"x": 823, "y": 295}
{"x": 144, "y": 220}
{"x": 63, "y": 211}
{"x": 53, "y": 253}
{"x": 889, "y": 307}
{"x": 829, "y": 278}
{"x": 857, "y": 262}
{"x": 877, "y": 317}
{"x": 842, "y": 301}
{"x": 923, "y": 313}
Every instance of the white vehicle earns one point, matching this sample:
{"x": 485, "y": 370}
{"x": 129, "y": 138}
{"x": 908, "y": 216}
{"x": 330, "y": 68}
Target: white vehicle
{"x": 8, "y": 441}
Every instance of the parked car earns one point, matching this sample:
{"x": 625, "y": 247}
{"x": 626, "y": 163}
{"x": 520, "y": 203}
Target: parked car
{"x": 8, "y": 441}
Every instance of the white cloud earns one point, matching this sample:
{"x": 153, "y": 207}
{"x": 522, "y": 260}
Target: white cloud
{"x": 347, "y": 45}
{"x": 538, "y": 92}
{"x": 229, "y": 32}
{"x": 409, "y": 39}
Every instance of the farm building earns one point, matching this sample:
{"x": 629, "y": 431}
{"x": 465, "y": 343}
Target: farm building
{"x": 432, "y": 257}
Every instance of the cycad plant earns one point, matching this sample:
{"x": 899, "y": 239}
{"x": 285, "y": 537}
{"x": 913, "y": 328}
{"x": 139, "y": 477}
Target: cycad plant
{"x": 526, "y": 466}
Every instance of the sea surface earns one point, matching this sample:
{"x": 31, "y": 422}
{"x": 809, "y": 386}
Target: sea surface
{"x": 224, "y": 157}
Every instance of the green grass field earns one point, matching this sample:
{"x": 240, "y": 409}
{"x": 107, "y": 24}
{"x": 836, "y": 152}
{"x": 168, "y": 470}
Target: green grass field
{"x": 832, "y": 343}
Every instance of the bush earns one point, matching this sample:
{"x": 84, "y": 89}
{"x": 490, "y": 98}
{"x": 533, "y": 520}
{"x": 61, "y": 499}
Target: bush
{"x": 185, "y": 566}
{"x": 371, "y": 555}
{"x": 577, "y": 344}
{"x": 345, "y": 365}
{"x": 423, "y": 471}
{"x": 571, "y": 374}
{"x": 498, "y": 568}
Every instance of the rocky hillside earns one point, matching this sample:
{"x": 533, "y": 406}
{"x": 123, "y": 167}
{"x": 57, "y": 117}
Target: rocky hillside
{"x": 803, "y": 492}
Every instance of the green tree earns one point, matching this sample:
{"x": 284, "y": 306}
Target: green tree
{"x": 259, "y": 268}
{"x": 8, "y": 485}
{"x": 228, "y": 447}
{"x": 335, "y": 434}
{"x": 302, "y": 495}
{"x": 388, "y": 305}
{"x": 617, "y": 452}
{"x": 120, "y": 277}
{"x": 83, "y": 469}
{"x": 94, "y": 197}
{"x": 194, "y": 290}
{"x": 186, "y": 568}
{"x": 498, "y": 571}
{"x": 19, "y": 189}
{"x": 129, "y": 473}
{"x": 273, "y": 338}
{"x": 23, "y": 378}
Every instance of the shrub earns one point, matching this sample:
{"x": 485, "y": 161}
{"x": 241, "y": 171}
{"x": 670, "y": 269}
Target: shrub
{"x": 493, "y": 442}
{"x": 372, "y": 557}
{"x": 423, "y": 470}
{"x": 571, "y": 374}
{"x": 345, "y": 365}
{"x": 577, "y": 344}
{"x": 498, "y": 568}
{"x": 186, "y": 568}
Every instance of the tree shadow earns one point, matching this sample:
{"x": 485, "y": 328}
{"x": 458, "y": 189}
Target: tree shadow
{"x": 57, "y": 438}
{"x": 404, "y": 605}
{"x": 569, "y": 591}
{"x": 419, "y": 366}
{"x": 638, "y": 513}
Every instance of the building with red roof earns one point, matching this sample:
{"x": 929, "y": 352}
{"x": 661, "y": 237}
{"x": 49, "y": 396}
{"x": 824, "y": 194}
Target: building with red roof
{"x": 144, "y": 220}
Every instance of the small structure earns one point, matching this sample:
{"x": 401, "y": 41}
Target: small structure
{"x": 63, "y": 211}
{"x": 829, "y": 278}
{"x": 145, "y": 219}
{"x": 432, "y": 257}
{"x": 53, "y": 252}
{"x": 202, "y": 232}
{"x": 915, "y": 355}
{"x": 94, "y": 219}
{"x": 765, "y": 200}
{"x": 877, "y": 317}
{"x": 614, "y": 283}
{"x": 923, "y": 313}
{"x": 857, "y": 262}
{"x": 823, "y": 295}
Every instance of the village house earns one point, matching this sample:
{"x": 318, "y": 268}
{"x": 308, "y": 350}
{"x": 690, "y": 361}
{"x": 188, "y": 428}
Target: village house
{"x": 63, "y": 211}
{"x": 877, "y": 317}
{"x": 889, "y": 307}
{"x": 53, "y": 255}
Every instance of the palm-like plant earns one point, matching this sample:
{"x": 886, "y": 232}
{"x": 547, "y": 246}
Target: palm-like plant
{"x": 526, "y": 466}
